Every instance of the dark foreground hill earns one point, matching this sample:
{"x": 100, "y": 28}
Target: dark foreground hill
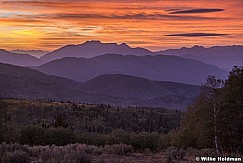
{"x": 160, "y": 68}
{"x": 20, "y": 82}
{"x": 120, "y": 90}
{"x": 136, "y": 87}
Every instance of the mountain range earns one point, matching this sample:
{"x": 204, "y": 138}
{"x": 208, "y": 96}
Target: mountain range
{"x": 158, "y": 67}
{"x": 115, "y": 74}
{"x": 224, "y": 57}
{"x": 94, "y": 48}
{"x": 120, "y": 90}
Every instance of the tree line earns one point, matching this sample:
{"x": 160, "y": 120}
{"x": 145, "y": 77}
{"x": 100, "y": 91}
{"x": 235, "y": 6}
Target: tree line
{"x": 45, "y": 123}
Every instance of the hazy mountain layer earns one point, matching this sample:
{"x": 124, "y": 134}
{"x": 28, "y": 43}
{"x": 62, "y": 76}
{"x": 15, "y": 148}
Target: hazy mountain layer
{"x": 161, "y": 68}
{"x": 120, "y": 90}
{"x": 19, "y": 59}
{"x": 222, "y": 56}
{"x": 35, "y": 53}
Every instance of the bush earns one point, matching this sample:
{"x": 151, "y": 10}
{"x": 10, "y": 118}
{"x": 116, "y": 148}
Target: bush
{"x": 119, "y": 149}
{"x": 208, "y": 152}
{"x": 164, "y": 141}
{"x": 36, "y": 135}
{"x": 59, "y": 136}
{"x": 15, "y": 153}
{"x": 193, "y": 152}
{"x": 173, "y": 153}
{"x": 15, "y": 157}
{"x": 145, "y": 140}
{"x": 82, "y": 158}
{"x": 32, "y": 135}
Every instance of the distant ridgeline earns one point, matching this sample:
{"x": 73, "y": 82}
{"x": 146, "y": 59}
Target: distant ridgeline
{"x": 113, "y": 89}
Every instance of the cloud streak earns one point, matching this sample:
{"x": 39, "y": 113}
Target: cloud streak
{"x": 196, "y": 11}
{"x": 196, "y": 35}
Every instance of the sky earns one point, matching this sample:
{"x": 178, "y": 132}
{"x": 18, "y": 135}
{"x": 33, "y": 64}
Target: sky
{"x": 152, "y": 24}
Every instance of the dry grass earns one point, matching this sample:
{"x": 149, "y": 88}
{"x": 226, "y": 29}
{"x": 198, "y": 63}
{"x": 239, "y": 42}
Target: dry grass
{"x": 81, "y": 153}
{"x": 138, "y": 158}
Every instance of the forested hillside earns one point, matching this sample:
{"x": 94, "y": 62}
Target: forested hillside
{"x": 42, "y": 123}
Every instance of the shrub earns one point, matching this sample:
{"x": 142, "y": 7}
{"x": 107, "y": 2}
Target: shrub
{"x": 119, "y": 149}
{"x": 59, "y": 136}
{"x": 164, "y": 141}
{"x": 32, "y": 135}
{"x": 208, "y": 152}
{"x": 173, "y": 153}
{"x": 82, "y": 158}
{"x": 144, "y": 140}
{"x": 15, "y": 157}
{"x": 193, "y": 152}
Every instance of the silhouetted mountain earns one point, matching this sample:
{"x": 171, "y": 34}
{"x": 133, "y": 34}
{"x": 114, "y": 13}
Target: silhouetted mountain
{"x": 222, "y": 56}
{"x": 18, "y": 59}
{"x": 127, "y": 86}
{"x": 120, "y": 90}
{"x": 35, "y": 53}
{"x": 94, "y": 48}
{"x": 151, "y": 93}
{"x": 21, "y": 82}
{"x": 161, "y": 68}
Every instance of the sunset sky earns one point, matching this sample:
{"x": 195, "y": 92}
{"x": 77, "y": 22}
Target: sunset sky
{"x": 153, "y": 24}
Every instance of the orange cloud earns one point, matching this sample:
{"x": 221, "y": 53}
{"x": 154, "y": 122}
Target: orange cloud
{"x": 49, "y": 24}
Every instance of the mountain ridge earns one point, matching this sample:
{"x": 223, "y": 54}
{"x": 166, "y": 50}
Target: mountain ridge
{"x": 22, "y": 82}
{"x": 120, "y": 85}
{"x": 35, "y": 53}
{"x": 19, "y": 59}
{"x": 158, "y": 67}
{"x": 224, "y": 57}
{"x": 90, "y": 49}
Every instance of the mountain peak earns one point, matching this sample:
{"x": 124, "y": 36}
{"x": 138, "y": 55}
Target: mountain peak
{"x": 124, "y": 45}
{"x": 92, "y": 42}
{"x": 198, "y": 47}
{"x": 4, "y": 51}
